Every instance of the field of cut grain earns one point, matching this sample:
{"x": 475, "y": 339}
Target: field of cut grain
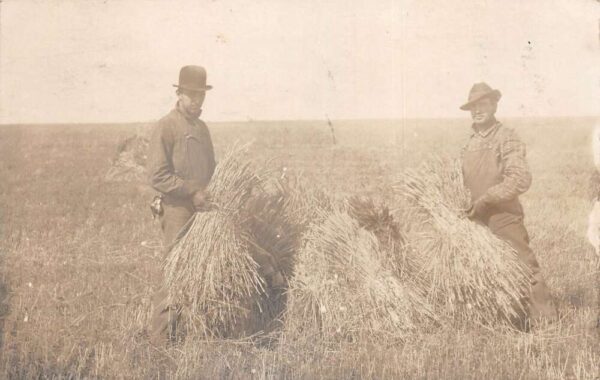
{"x": 80, "y": 257}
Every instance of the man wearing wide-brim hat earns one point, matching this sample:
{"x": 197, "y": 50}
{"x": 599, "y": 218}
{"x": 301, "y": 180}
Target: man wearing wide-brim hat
{"x": 496, "y": 172}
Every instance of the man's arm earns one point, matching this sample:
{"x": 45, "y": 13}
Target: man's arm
{"x": 161, "y": 174}
{"x": 516, "y": 177}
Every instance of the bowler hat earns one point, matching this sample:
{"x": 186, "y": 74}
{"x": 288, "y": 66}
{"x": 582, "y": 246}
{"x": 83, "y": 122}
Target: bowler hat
{"x": 192, "y": 78}
{"x": 478, "y": 92}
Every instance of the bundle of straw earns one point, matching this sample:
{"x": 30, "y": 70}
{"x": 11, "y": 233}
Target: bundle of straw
{"x": 210, "y": 271}
{"x": 129, "y": 162}
{"x": 378, "y": 219}
{"x": 273, "y": 239}
{"x": 472, "y": 274}
{"x": 343, "y": 287}
{"x": 305, "y": 203}
{"x": 272, "y": 230}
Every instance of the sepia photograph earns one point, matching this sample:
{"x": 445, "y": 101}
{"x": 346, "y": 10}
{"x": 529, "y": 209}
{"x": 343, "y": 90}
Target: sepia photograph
{"x": 342, "y": 189}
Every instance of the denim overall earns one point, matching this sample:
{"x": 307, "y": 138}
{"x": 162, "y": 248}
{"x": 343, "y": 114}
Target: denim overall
{"x": 482, "y": 169}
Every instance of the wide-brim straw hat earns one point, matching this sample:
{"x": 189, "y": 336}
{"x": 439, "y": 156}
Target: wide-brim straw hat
{"x": 192, "y": 78}
{"x": 480, "y": 91}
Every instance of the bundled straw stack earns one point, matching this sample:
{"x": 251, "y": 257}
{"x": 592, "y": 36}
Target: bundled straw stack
{"x": 129, "y": 162}
{"x": 305, "y": 203}
{"x": 472, "y": 275}
{"x": 210, "y": 271}
{"x": 345, "y": 286}
{"x": 273, "y": 233}
{"x": 392, "y": 236}
{"x": 379, "y": 220}
{"x": 220, "y": 271}
{"x": 273, "y": 239}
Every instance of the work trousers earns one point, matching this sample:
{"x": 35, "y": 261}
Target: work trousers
{"x": 540, "y": 305}
{"x": 164, "y": 314}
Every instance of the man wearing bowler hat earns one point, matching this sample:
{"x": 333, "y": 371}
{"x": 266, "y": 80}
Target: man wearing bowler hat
{"x": 496, "y": 172}
{"x": 181, "y": 162}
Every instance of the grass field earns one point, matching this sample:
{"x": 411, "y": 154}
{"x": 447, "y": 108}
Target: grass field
{"x": 80, "y": 257}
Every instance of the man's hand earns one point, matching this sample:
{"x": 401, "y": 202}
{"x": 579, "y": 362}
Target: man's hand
{"x": 201, "y": 200}
{"x": 478, "y": 209}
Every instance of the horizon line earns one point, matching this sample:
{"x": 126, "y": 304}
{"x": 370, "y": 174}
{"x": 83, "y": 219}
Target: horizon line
{"x": 325, "y": 120}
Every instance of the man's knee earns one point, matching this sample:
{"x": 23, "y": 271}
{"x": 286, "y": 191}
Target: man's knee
{"x": 516, "y": 235}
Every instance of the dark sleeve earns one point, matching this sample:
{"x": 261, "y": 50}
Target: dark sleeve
{"x": 161, "y": 174}
{"x": 212, "y": 162}
{"x": 516, "y": 177}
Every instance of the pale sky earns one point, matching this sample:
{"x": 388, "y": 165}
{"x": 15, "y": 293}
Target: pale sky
{"x": 115, "y": 60}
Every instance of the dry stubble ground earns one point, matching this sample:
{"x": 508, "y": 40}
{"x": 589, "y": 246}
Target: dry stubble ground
{"x": 77, "y": 276}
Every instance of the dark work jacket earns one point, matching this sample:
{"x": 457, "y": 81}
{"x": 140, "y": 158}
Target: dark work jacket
{"x": 181, "y": 159}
